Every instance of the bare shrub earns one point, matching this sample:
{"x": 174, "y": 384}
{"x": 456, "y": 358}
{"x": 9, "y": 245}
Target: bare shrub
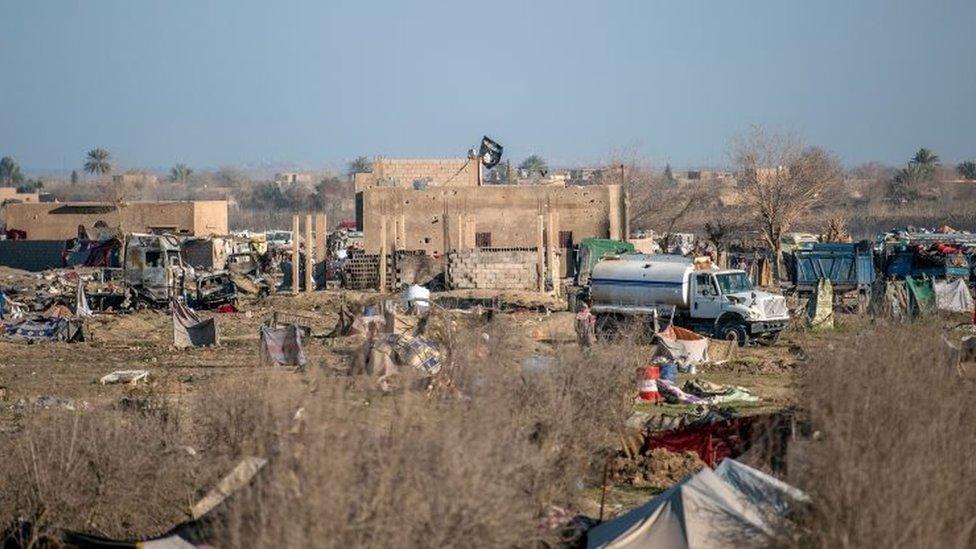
{"x": 406, "y": 470}
{"x": 893, "y": 462}
{"x": 347, "y": 466}
{"x": 108, "y": 472}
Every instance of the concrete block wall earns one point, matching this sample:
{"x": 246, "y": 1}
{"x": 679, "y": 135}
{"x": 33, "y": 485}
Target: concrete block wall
{"x": 493, "y": 269}
{"x": 402, "y": 172}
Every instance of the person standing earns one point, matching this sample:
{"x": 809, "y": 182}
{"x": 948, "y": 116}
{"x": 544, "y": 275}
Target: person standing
{"x": 585, "y": 327}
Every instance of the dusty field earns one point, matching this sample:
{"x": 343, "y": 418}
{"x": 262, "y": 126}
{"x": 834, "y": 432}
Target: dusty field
{"x": 190, "y": 381}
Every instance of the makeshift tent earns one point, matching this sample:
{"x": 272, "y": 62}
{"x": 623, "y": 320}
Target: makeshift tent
{"x": 46, "y": 329}
{"x": 189, "y": 330}
{"x": 763, "y": 490}
{"x": 701, "y": 511}
{"x": 921, "y": 294}
{"x": 953, "y": 296}
{"x": 282, "y": 346}
{"x": 683, "y": 346}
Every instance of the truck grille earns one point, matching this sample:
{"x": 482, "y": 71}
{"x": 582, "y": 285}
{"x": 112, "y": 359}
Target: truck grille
{"x": 773, "y": 308}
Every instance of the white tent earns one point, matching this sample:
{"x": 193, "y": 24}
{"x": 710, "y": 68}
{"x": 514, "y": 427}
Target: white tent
{"x": 702, "y": 511}
{"x": 765, "y": 491}
{"x": 953, "y": 296}
{"x": 728, "y": 507}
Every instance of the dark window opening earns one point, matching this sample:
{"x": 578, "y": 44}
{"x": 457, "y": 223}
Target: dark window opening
{"x": 566, "y": 239}
{"x": 83, "y": 209}
{"x": 482, "y": 240}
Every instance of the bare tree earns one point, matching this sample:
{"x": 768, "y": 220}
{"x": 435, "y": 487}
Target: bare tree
{"x": 784, "y": 179}
{"x": 720, "y": 231}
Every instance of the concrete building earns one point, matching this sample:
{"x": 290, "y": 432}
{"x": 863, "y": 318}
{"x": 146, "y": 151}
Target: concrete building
{"x": 10, "y": 193}
{"x": 444, "y": 219}
{"x": 135, "y": 179}
{"x": 413, "y": 173}
{"x": 60, "y": 221}
{"x": 293, "y": 177}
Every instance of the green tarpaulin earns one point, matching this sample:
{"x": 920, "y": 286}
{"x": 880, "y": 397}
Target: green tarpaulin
{"x": 592, "y": 250}
{"x": 922, "y": 295}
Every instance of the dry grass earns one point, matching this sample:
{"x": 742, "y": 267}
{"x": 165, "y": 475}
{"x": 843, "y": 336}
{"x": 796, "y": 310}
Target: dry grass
{"x": 893, "y": 462}
{"x": 103, "y": 471}
{"x": 476, "y": 465}
{"x": 451, "y": 472}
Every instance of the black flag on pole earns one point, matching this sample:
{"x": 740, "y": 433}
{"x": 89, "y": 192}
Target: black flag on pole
{"x": 490, "y": 152}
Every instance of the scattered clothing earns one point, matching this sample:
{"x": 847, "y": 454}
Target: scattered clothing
{"x": 718, "y": 394}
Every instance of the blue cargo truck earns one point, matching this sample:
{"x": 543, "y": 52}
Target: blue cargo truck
{"x": 849, "y": 267}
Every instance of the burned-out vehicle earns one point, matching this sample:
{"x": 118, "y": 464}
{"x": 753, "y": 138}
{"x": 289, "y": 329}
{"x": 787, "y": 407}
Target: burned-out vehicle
{"x": 154, "y": 269}
{"x": 211, "y": 290}
{"x": 247, "y": 272}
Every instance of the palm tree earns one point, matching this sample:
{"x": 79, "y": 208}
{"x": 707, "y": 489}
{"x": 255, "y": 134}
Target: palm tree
{"x": 10, "y": 172}
{"x": 97, "y": 162}
{"x": 967, "y": 169}
{"x": 926, "y": 158}
{"x": 180, "y": 172}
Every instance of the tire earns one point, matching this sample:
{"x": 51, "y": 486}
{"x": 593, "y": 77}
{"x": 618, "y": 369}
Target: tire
{"x": 733, "y": 331}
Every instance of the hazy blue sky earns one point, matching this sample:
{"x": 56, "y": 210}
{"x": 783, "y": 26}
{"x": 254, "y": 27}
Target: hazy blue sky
{"x": 315, "y": 83}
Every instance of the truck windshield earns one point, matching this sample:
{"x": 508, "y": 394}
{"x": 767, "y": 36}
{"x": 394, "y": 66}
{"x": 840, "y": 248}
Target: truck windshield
{"x": 732, "y": 283}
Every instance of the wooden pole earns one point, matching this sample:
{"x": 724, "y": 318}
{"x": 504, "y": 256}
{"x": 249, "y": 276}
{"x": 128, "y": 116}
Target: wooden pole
{"x": 309, "y": 251}
{"x": 382, "y": 284}
{"x": 552, "y": 236}
{"x": 320, "y": 236}
{"x": 540, "y": 247}
{"x": 461, "y": 243}
{"x": 295, "y": 233}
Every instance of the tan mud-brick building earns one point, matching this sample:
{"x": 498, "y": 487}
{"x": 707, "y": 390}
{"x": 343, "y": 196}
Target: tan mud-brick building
{"x": 60, "y": 221}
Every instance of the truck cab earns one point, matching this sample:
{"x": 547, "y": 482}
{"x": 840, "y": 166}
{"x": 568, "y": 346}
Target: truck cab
{"x": 724, "y": 304}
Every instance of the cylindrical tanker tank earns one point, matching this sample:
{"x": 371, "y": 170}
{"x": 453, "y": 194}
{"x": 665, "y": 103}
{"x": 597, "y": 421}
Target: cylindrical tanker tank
{"x": 641, "y": 282}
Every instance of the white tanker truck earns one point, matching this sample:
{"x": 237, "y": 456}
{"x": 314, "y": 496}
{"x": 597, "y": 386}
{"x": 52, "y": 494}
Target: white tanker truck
{"x": 714, "y": 302}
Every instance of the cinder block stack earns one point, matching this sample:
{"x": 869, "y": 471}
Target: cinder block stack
{"x": 493, "y": 269}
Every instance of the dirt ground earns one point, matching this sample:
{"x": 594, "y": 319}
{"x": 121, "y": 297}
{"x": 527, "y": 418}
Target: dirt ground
{"x": 66, "y": 375}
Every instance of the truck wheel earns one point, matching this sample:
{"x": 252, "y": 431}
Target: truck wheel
{"x": 734, "y": 331}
